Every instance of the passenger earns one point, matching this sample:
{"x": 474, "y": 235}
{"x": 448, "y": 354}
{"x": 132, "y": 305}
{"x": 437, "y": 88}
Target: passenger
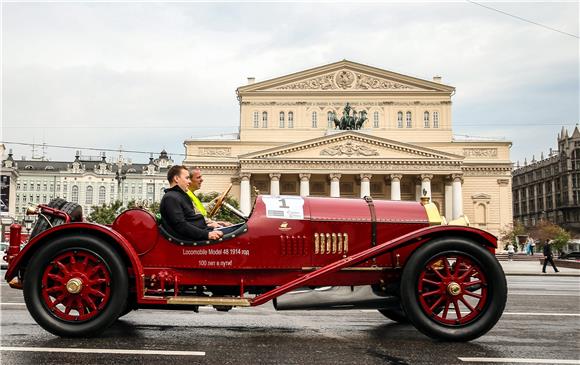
{"x": 177, "y": 214}
{"x": 194, "y": 185}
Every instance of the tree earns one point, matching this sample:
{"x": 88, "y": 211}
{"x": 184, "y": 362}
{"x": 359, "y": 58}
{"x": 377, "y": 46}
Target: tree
{"x": 546, "y": 230}
{"x": 106, "y": 213}
{"x": 510, "y": 232}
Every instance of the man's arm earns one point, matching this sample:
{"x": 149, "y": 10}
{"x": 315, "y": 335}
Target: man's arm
{"x": 175, "y": 218}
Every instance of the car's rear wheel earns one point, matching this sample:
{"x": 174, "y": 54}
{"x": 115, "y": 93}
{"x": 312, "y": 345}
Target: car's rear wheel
{"x": 75, "y": 286}
{"x": 453, "y": 289}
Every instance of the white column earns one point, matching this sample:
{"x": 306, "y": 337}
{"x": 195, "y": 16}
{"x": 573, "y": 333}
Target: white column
{"x": 457, "y": 196}
{"x": 448, "y": 199}
{"x": 396, "y": 187}
{"x": 426, "y": 185}
{"x": 245, "y": 193}
{"x": 304, "y": 184}
{"x": 335, "y": 185}
{"x": 365, "y": 185}
{"x": 275, "y": 184}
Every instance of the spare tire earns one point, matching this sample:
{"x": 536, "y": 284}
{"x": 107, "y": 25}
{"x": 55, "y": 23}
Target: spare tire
{"x": 44, "y": 222}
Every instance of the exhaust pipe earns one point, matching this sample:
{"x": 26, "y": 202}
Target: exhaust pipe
{"x": 335, "y": 297}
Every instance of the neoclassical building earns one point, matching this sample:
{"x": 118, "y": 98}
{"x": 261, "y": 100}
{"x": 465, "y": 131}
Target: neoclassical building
{"x": 288, "y": 144}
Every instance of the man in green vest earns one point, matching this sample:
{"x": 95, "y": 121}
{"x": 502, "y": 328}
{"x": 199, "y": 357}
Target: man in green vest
{"x": 196, "y": 180}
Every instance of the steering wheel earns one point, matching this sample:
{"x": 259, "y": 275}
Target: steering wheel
{"x": 217, "y": 202}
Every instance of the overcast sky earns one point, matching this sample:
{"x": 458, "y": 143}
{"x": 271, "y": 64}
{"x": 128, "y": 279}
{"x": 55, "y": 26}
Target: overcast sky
{"x": 147, "y": 76}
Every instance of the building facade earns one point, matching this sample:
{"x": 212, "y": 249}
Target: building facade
{"x": 288, "y": 144}
{"x": 88, "y": 181}
{"x": 550, "y": 187}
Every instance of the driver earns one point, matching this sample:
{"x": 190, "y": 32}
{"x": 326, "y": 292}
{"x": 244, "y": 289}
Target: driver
{"x": 177, "y": 213}
{"x": 194, "y": 185}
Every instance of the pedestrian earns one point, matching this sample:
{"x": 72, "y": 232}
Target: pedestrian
{"x": 532, "y": 247}
{"x": 511, "y": 251}
{"x": 527, "y": 247}
{"x": 548, "y": 257}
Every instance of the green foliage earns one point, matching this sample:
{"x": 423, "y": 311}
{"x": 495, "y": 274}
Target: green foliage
{"x": 223, "y": 214}
{"x": 509, "y": 233}
{"x": 106, "y": 213}
{"x": 546, "y": 230}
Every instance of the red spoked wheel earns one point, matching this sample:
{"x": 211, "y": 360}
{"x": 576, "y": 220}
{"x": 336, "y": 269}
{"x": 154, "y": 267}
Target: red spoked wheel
{"x": 75, "y": 286}
{"x": 453, "y": 289}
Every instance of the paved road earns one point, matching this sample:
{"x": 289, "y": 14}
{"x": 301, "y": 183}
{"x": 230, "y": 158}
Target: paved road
{"x": 541, "y": 321}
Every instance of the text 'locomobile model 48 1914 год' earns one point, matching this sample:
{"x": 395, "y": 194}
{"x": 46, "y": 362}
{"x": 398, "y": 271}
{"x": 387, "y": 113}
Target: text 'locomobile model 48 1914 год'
{"x": 398, "y": 257}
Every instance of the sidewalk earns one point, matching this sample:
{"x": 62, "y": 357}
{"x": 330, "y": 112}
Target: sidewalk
{"x": 527, "y": 268}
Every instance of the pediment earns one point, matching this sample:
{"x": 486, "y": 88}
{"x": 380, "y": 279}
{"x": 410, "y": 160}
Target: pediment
{"x": 350, "y": 145}
{"x": 481, "y": 196}
{"x": 346, "y": 76}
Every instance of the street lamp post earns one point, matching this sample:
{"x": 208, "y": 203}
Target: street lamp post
{"x": 120, "y": 177}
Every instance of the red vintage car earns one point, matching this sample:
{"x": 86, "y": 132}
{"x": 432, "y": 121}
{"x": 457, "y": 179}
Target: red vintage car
{"x": 398, "y": 257}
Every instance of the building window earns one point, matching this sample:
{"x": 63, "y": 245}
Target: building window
{"x": 75, "y": 194}
{"x": 24, "y": 198}
{"x": 375, "y": 119}
{"x": 17, "y": 199}
{"x": 330, "y": 119}
{"x": 102, "y": 193}
{"x": 400, "y": 120}
{"x": 435, "y": 119}
{"x": 282, "y": 120}
{"x": 256, "y": 119}
{"x": 44, "y": 199}
{"x": 18, "y": 186}
{"x": 290, "y": 120}
{"x": 264, "y": 119}
{"x": 112, "y": 190}
{"x": 24, "y": 186}
{"x": 409, "y": 120}
{"x": 38, "y": 199}
{"x": 314, "y": 120}
{"x": 44, "y": 186}
{"x": 38, "y": 187}
{"x": 89, "y": 195}
{"x": 426, "y": 120}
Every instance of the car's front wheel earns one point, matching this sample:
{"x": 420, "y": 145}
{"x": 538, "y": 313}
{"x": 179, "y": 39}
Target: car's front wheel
{"x": 75, "y": 286}
{"x": 453, "y": 289}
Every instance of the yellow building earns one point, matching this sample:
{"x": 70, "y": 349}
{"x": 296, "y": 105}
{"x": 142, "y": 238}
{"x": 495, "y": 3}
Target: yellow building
{"x": 287, "y": 144}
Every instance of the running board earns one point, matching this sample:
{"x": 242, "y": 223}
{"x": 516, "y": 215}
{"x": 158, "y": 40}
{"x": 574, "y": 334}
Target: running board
{"x": 225, "y": 301}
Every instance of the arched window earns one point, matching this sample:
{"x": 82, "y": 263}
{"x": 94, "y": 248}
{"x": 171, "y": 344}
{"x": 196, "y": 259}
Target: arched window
{"x": 290, "y": 119}
{"x": 426, "y": 123}
{"x": 400, "y": 120}
{"x": 330, "y": 119}
{"x": 375, "y": 119}
{"x": 435, "y": 119}
{"x": 409, "y": 120}
{"x": 282, "y": 120}
{"x": 89, "y": 195}
{"x": 314, "y": 120}
{"x": 75, "y": 194}
{"x": 256, "y": 120}
{"x": 264, "y": 119}
{"x": 481, "y": 214}
{"x": 102, "y": 194}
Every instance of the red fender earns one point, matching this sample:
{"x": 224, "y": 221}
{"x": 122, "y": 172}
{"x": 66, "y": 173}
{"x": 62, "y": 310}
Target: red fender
{"x": 87, "y": 228}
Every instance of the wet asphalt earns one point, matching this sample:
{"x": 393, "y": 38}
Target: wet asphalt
{"x": 541, "y": 321}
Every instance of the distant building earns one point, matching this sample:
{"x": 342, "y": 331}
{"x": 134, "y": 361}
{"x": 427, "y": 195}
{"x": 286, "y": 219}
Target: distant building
{"x": 550, "y": 188}
{"x": 87, "y": 180}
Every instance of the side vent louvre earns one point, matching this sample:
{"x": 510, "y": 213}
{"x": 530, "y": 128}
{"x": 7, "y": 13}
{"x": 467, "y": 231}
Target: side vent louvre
{"x": 293, "y": 245}
{"x": 330, "y": 243}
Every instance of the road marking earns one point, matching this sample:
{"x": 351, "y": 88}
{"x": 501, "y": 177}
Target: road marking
{"x": 104, "y": 351}
{"x": 544, "y": 294}
{"x": 507, "y": 313}
{"x": 12, "y": 303}
{"x": 541, "y": 314}
{"x": 514, "y": 360}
